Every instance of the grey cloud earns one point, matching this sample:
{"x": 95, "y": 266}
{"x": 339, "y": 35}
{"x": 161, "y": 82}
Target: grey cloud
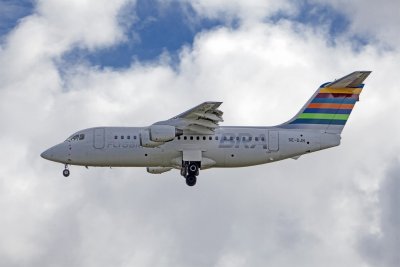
{"x": 382, "y": 248}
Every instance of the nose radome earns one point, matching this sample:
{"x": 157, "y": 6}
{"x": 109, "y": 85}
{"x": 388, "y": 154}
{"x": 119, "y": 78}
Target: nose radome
{"x": 57, "y": 153}
{"x": 46, "y": 154}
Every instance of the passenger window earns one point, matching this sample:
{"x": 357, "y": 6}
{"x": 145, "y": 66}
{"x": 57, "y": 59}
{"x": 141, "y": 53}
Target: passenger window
{"x": 122, "y": 137}
{"x": 81, "y": 136}
{"x": 134, "y": 137}
{"x": 244, "y": 138}
{"x": 185, "y": 137}
{"x": 179, "y": 138}
{"x": 225, "y": 138}
{"x": 216, "y": 138}
{"x": 204, "y": 138}
{"x": 191, "y": 138}
{"x": 256, "y": 138}
{"x": 115, "y": 137}
{"x": 262, "y": 139}
{"x": 231, "y": 138}
{"x": 250, "y": 138}
{"x": 237, "y": 138}
{"x": 210, "y": 138}
{"x": 129, "y": 137}
{"x": 198, "y": 137}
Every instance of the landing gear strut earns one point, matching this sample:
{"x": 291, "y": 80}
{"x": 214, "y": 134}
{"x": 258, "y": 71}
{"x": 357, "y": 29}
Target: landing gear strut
{"x": 66, "y": 171}
{"x": 190, "y": 169}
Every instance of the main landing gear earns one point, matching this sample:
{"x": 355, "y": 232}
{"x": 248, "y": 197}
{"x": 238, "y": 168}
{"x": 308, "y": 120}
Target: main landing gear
{"x": 66, "y": 171}
{"x": 190, "y": 169}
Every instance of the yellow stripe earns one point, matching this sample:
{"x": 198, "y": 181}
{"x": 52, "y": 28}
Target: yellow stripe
{"x": 341, "y": 90}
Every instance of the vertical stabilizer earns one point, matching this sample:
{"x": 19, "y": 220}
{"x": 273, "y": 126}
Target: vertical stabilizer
{"x": 329, "y": 108}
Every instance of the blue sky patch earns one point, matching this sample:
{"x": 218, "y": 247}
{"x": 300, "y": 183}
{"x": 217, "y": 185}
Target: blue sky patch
{"x": 153, "y": 27}
{"x": 323, "y": 15}
{"x": 156, "y": 28}
{"x": 317, "y": 15}
{"x": 11, "y": 12}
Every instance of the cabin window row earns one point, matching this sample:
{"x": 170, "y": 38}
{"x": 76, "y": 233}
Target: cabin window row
{"x": 124, "y": 137}
{"x": 197, "y": 137}
{"x": 231, "y": 138}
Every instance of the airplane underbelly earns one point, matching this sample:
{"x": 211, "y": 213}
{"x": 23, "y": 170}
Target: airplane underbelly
{"x": 244, "y": 157}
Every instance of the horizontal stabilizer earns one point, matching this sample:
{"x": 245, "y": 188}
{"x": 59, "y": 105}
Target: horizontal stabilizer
{"x": 352, "y": 80}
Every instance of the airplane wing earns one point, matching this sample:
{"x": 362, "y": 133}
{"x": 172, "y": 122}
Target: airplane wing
{"x": 352, "y": 80}
{"x": 202, "y": 119}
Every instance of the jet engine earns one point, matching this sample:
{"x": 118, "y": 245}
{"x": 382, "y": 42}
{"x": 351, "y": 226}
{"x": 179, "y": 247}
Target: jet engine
{"x": 158, "y": 170}
{"x": 157, "y": 135}
{"x": 162, "y": 133}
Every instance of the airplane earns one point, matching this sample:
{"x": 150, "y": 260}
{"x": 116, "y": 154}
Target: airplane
{"x": 194, "y": 140}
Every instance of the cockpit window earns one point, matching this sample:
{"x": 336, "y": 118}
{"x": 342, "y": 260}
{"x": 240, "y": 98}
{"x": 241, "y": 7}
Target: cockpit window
{"x": 76, "y": 137}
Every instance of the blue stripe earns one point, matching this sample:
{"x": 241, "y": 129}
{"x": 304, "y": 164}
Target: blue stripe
{"x": 318, "y": 121}
{"x": 334, "y": 100}
{"x": 327, "y": 110}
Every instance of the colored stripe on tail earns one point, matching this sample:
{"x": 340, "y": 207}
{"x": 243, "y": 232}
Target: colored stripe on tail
{"x": 330, "y": 107}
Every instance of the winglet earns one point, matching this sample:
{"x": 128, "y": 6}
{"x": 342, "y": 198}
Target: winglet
{"x": 353, "y": 80}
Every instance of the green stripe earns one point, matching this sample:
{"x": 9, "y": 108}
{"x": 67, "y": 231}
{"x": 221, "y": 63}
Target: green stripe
{"x": 324, "y": 116}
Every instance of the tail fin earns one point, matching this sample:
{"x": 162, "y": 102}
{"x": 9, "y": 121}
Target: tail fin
{"x": 331, "y": 105}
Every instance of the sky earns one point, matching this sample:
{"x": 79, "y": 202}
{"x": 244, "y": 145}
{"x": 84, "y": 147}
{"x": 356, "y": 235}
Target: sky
{"x": 69, "y": 65}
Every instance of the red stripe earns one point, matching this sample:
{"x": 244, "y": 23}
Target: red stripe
{"x": 336, "y": 95}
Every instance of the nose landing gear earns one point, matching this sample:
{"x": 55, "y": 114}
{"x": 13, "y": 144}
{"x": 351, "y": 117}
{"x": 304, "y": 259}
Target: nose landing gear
{"x": 66, "y": 171}
{"x": 191, "y": 180}
{"x": 190, "y": 169}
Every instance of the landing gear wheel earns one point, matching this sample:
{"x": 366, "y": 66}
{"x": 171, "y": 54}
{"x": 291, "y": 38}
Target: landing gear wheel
{"x": 66, "y": 173}
{"x": 193, "y": 169}
{"x": 191, "y": 180}
{"x": 183, "y": 171}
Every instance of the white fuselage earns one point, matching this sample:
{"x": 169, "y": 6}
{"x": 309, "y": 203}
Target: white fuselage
{"x": 194, "y": 140}
{"x": 228, "y": 147}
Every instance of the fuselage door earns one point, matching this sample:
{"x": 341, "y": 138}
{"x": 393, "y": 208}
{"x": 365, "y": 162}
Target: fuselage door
{"x": 98, "y": 138}
{"x": 273, "y": 140}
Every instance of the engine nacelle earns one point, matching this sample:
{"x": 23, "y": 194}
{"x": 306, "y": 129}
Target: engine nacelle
{"x": 145, "y": 140}
{"x": 162, "y": 133}
{"x": 158, "y": 170}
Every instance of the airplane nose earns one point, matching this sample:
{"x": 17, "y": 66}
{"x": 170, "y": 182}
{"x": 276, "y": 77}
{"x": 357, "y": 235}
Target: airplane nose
{"x": 46, "y": 154}
{"x": 57, "y": 153}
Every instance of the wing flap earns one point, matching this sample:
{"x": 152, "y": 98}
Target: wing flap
{"x": 203, "y": 119}
{"x": 199, "y": 129}
{"x": 204, "y": 123}
{"x": 210, "y": 116}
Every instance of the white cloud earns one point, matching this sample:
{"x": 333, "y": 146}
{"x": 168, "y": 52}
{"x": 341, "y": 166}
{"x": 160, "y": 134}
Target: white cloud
{"x": 378, "y": 20}
{"x": 306, "y": 212}
{"x": 250, "y": 10}
{"x": 88, "y": 23}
